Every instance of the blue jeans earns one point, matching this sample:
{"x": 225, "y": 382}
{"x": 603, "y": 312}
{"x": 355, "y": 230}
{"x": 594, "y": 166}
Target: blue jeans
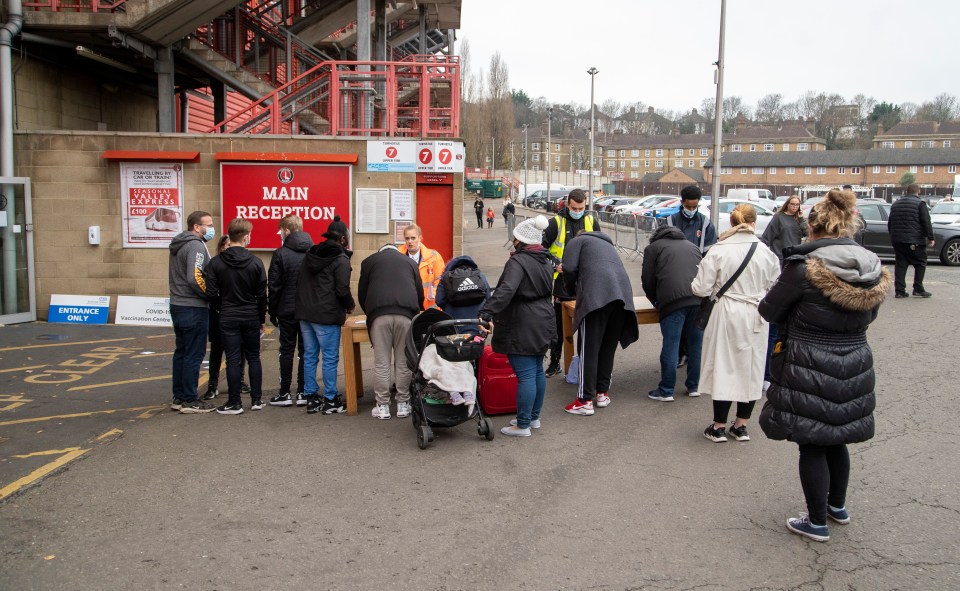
{"x": 679, "y": 324}
{"x": 320, "y": 339}
{"x": 531, "y": 386}
{"x": 190, "y": 329}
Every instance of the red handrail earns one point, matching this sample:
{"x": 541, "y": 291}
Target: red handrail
{"x": 75, "y": 5}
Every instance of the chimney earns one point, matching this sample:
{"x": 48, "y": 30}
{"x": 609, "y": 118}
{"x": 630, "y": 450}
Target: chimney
{"x": 633, "y": 110}
{"x": 880, "y": 129}
{"x": 650, "y": 110}
{"x": 675, "y": 130}
{"x": 811, "y": 125}
{"x": 740, "y": 123}
{"x": 694, "y": 112}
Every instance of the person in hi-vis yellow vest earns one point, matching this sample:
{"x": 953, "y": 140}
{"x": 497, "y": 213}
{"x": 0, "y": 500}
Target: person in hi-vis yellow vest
{"x": 428, "y": 261}
{"x": 561, "y": 229}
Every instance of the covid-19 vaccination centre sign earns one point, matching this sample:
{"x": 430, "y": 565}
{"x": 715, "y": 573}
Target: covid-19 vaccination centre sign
{"x": 265, "y": 193}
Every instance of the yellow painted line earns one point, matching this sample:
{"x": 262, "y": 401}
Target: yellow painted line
{"x": 66, "y": 344}
{"x": 109, "y": 433}
{"x": 149, "y": 413}
{"x": 47, "y": 452}
{"x": 15, "y": 400}
{"x": 160, "y": 336}
{"x": 24, "y": 368}
{"x": 120, "y": 383}
{"x": 77, "y": 415}
{"x": 69, "y": 455}
{"x": 151, "y": 355}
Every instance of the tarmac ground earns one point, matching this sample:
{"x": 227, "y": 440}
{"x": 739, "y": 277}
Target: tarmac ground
{"x": 102, "y": 487}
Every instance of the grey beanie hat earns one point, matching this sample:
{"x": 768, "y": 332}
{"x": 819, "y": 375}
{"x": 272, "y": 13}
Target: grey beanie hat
{"x": 530, "y": 231}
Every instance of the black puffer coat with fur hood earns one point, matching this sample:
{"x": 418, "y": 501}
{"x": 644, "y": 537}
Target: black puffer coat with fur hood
{"x": 822, "y": 392}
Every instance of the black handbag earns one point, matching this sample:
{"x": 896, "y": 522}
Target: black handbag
{"x": 707, "y": 303}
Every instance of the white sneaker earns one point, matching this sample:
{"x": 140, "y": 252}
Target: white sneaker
{"x": 534, "y": 424}
{"x": 603, "y": 399}
{"x": 693, "y": 393}
{"x": 381, "y": 411}
{"x": 515, "y": 431}
{"x": 403, "y": 410}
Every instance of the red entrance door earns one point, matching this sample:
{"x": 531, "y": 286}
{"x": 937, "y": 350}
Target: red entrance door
{"x": 435, "y": 216}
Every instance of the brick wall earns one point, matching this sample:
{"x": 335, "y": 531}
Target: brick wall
{"x": 74, "y": 188}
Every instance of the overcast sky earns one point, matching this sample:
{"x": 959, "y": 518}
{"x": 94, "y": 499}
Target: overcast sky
{"x": 661, "y": 52}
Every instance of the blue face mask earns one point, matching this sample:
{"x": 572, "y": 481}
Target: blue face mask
{"x": 209, "y": 234}
{"x": 577, "y": 214}
{"x": 688, "y": 214}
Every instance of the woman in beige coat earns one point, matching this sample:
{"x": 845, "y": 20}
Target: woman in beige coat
{"x": 735, "y": 340}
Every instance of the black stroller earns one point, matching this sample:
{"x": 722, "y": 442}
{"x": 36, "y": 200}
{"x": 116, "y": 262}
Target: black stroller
{"x": 438, "y": 328}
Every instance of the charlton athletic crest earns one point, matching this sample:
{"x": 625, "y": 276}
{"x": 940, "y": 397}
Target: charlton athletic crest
{"x": 285, "y": 175}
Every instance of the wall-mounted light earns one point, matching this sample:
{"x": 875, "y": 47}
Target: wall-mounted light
{"x": 90, "y": 54}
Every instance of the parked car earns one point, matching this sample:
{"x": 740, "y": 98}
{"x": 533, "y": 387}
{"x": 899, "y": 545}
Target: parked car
{"x": 671, "y": 205}
{"x": 764, "y": 214}
{"x": 617, "y": 201}
{"x": 645, "y": 203}
{"x": 539, "y": 197}
{"x": 876, "y": 237}
{"x": 762, "y": 196}
{"x": 556, "y": 204}
{"x": 946, "y": 212}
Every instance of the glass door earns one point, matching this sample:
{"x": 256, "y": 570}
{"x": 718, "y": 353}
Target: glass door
{"x": 17, "y": 295}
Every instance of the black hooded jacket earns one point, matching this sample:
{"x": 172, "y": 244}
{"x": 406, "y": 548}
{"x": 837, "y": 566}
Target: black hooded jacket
{"x": 822, "y": 391}
{"x": 670, "y": 265}
{"x": 237, "y": 285}
{"x": 283, "y": 273}
{"x": 323, "y": 288}
{"x": 389, "y": 284}
{"x": 521, "y": 305}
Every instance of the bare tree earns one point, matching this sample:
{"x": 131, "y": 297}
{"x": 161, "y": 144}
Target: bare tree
{"x": 908, "y": 111}
{"x": 498, "y": 112}
{"x": 770, "y": 108}
{"x": 733, "y": 106}
{"x": 471, "y": 109}
{"x": 940, "y": 109}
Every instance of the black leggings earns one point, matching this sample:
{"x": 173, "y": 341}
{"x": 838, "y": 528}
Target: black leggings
{"x": 721, "y": 408}
{"x": 824, "y": 473}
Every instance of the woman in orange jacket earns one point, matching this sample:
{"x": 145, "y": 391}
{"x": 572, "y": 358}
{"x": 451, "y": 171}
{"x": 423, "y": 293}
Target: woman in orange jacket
{"x": 429, "y": 262}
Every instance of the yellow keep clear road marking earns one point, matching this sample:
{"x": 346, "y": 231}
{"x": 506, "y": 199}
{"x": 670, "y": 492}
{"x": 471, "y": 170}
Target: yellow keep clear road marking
{"x": 66, "y": 344}
{"x": 151, "y": 355}
{"x": 24, "y": 368}
{"x": 68, "y": 455}
{"x": 79, "y": 414}
{"x": 109, "y": 433}
{"x": 120, "y": 383}
{"x": 15, "y": 400}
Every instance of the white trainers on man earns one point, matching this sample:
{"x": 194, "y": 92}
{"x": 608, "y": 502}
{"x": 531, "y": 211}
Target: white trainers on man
{"x": 403, "y": 410}
{"x": 381, "y": 411}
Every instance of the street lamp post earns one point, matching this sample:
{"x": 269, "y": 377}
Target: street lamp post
{"x": 593, "y": 72}
{"x": 549, "y": 160}
{"x": 718, "y": 125}
{"x": 526, "y": 186}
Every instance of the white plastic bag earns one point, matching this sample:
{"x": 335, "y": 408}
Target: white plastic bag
{"x": 573, "y": 375}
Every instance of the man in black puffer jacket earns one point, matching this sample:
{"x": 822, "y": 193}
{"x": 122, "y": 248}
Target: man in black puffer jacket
{"x": 390, "y": 294}
{"x": 322, "y": 303}
{"x": 669, "y": 267}
{"x": 281, "y": 297}
{"x": 911, "y": 234}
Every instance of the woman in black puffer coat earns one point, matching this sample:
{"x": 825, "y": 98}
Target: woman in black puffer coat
{"x": 822, "y": 395}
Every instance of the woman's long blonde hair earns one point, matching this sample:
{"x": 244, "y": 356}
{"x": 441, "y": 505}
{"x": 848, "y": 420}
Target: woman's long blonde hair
{"x": 743, "y": 213}
{"x": 836, "y": 215}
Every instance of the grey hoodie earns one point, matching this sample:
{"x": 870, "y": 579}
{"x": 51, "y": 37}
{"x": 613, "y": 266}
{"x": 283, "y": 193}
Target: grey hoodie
{"x": 188, "y": 258}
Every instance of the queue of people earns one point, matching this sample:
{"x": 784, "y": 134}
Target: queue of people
{"x": 717, "y": 298}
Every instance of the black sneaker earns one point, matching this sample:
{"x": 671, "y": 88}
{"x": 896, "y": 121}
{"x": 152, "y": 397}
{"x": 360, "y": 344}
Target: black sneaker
{"x": 196, "y": 407}
{"x": 257, "y": 404}
{"x": 244, "y": 387}
{"x": 715, "y": 435}
{"x": 230, "y": 409}
{"x": 922, "y": 294}
{"x": 902, "y": 295}
{"x": 210, "y": 394}
{"x": 314, "y": 403}
{"x": 333, "y": 407}
{"x": 281, "y": 399}
{"x": 301, "y": 399}
{"x": 552, "y": 369}
{"x": 177, "y": 404}
{"x": 739, "y": 433}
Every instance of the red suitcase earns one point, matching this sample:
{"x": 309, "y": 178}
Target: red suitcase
{"x": 497, "y": 384}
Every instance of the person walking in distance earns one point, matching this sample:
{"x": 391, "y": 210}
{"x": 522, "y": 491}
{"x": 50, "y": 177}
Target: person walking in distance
{"x": 323, "y": 300}
{"x": 822, "y": 396}
{"x": 522, "y": 314}
{"x": 390, "y": 294}
{"x": 670, "y": 264}
{"x": 429, "y": 263}
{"x": 561, "y": 229}
{"x": 911, "y": 233}
{"x": 604, "y": 316}
{"x": 735, "y": 339}
{"x": 478, "y": 209}
{"x": 237, "y": 285}
{"x": 281, "y": 301}
{"x": 490, "y": 217}
{"x": 188, "y": 310}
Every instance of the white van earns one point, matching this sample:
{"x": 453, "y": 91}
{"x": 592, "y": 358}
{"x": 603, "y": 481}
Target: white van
{"x": 527, "y": 190}
{"x": 759, "y": 195}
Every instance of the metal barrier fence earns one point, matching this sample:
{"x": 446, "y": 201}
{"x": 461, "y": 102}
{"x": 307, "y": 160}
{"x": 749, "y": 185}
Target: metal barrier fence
{"x": 512, "y": 221}
{"x": 631, "y": 234}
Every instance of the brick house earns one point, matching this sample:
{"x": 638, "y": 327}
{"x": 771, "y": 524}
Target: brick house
{"x": 919, "y": 134}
